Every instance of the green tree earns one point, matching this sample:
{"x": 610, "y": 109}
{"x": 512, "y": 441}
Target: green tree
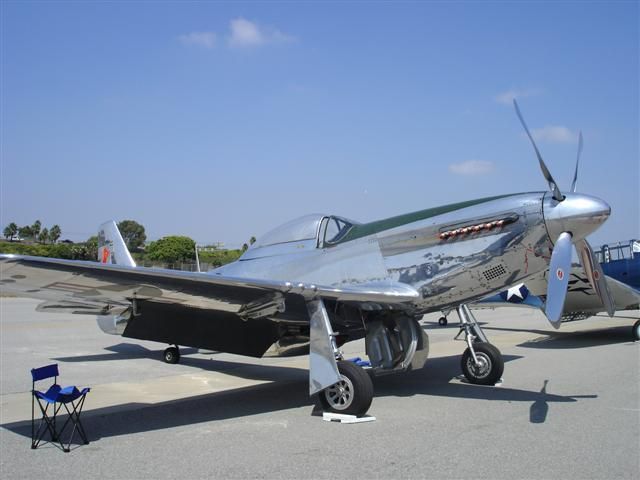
{"x": 10, "y": 231}
{"x": 133, "y": 234}
{"x": 35, "y": 229}
{"x": 25, "y": 232}
{"x": 91, "y": 248}
{"x": 54, "y": 233}
{"x": 171, "y": 249}
{"x": 220, "y": 257}
{"x": 44, "y": 235}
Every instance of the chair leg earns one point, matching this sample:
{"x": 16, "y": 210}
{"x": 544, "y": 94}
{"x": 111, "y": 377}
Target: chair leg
{"x": 74, "y": 417}
{"x": 47, "y": 423}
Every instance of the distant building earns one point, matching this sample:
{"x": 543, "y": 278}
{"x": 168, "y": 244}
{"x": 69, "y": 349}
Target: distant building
{"x": 211, "y": 248}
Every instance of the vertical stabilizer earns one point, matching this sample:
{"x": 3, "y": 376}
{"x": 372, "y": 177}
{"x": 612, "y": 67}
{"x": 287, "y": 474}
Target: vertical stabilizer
{"x": 111, "y": 246}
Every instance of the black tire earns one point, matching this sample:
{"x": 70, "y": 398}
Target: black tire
{"x": 636, "y": 331}
{"x": 442, "y": 321}
{"x": 352, "y": 395}
{"x": 491, "y": 368}
{"x": 172, "y": 355}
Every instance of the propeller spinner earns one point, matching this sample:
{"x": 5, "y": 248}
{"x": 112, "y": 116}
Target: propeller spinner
{"x": 569, "y": 219}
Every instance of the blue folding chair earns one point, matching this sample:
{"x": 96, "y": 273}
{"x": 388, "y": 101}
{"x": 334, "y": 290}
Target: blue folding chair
{"x": 56, "y": 397}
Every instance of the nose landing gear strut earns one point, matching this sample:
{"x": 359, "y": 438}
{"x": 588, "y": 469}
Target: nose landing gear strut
{"x": 481, "y": 362}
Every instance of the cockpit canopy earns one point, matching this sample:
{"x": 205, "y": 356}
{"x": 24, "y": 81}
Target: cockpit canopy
{"x": 303, "y": 228}
{"x": 324, "y": 230}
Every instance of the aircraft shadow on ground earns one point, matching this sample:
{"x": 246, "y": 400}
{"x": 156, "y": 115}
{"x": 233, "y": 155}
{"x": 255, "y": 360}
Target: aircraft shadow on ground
{"x": 568, "y": 340}
{"x": 453, "y": 324}
{"x": 434, "y": 379}
{"x": 288, "y": 391}
{"x": 126, "y": 351}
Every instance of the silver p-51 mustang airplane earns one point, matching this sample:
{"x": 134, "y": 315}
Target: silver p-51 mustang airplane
{"x": 329, "y": 280}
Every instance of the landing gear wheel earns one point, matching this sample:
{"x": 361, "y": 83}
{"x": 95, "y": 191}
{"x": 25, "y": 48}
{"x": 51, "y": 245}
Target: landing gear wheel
{"x": 490, "y": 364}
{"x": 636, "y": 331}
{"x": 352, "y": 395}
{"x": 442, "y": 321}
{"x": 172, "y": 355}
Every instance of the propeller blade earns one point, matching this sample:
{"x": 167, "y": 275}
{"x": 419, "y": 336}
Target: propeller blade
{"x": 596, "y": 276}
{"x": 553, "y": 186}
{"x": 559, "y": 270}
{"x": 575, "y": 175}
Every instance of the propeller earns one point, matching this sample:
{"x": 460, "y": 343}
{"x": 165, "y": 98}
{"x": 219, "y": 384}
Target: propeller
{"x": 575, "y": 216}
{"x": 553, "y": 186}
{"x": 558, "y": 279}
{"x": 595, "y": 274}
{"x": 575, "y": 174}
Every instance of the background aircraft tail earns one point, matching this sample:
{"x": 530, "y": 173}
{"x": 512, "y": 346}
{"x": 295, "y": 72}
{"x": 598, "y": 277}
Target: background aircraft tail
{"x": 111, "y": 246}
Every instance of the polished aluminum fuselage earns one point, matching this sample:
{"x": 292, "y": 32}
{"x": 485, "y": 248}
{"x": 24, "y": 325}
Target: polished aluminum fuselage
{"x": 446, "y": 270}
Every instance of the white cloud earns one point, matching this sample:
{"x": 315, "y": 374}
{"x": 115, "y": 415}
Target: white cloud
{"x": 245, "y": 33}
{"x": 507, "y": 97}
{"x": 200, "y": 39}
{"x": 554, "y": 134}
{"x": 471, "y": 167}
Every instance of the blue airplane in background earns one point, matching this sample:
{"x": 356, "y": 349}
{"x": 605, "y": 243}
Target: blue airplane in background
{"x": 621, "y": 262}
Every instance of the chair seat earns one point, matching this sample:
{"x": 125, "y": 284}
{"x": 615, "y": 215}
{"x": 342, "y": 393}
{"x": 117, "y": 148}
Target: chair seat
{"x": 71, "y": 393}
{"x": 55, "y": 393}
{"x": 51, "y": 395}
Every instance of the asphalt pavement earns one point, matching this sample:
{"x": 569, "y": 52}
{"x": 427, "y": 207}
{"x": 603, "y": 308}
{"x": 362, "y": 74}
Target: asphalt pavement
{"x": 568, "y": 407}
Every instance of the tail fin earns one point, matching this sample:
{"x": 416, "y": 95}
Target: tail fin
{"x": 111, "y": 246}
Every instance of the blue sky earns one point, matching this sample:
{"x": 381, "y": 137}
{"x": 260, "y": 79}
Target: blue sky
{"x": 221, "y": 120}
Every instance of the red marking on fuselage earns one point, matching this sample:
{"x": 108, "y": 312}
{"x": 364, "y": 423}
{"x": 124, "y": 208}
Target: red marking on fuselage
{"x": 105, "y": 255}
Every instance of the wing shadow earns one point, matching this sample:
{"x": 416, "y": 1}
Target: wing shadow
{"x": 126, "y": 351}
{"x": 570, "y": 340}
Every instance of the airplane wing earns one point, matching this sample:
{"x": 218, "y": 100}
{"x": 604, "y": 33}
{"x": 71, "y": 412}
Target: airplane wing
{"x": 211, "y": 311}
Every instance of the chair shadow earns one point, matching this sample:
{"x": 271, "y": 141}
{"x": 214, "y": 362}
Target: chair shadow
{"x": 288, "y": 391}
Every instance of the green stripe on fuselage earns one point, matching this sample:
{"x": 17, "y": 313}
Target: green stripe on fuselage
{"x": 365, "y": 229}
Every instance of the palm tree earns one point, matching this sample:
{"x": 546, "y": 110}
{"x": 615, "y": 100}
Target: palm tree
{"x": 25, "y": 232}
{"x": 10, "y": 231}
{"x": 35, "y": 229}
{"x": 44, "y": 235}
{"x": 54, "y": 233}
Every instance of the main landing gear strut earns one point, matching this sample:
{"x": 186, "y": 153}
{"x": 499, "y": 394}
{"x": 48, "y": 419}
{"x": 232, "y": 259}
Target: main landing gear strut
{"x": 341, "y": 386}
{"x": 481, "y": 362}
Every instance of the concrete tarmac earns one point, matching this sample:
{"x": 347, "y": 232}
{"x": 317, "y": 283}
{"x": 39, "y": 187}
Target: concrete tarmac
{"x": 569, "y": 407}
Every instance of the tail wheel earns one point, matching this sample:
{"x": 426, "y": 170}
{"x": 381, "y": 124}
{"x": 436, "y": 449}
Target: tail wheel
{"x": 489, "y": 368}
{"x": 172, "y": 355}
{"x": 352, "y": 395}
{"x": 442, "y": 321}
